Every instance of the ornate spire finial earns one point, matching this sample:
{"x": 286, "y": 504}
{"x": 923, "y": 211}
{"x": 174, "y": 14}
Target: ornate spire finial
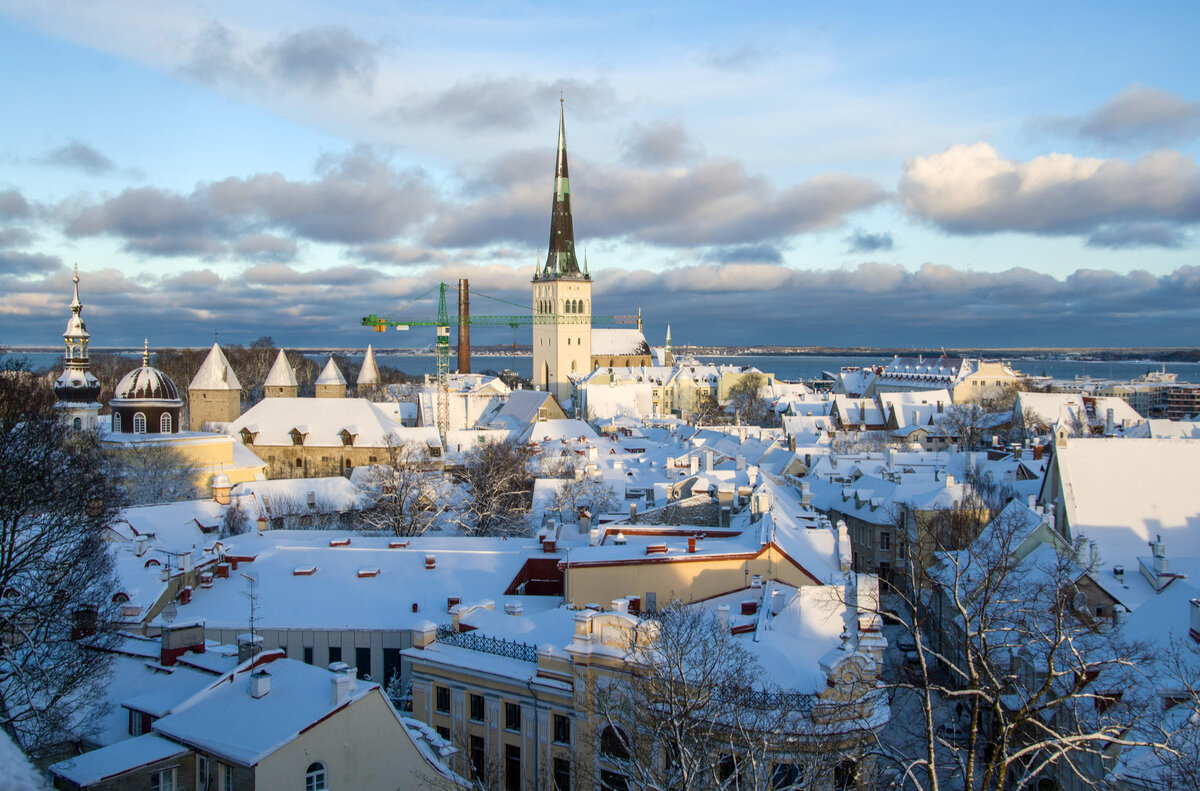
{"x": 76, "y": 305}
{"x": 145, "y": 352}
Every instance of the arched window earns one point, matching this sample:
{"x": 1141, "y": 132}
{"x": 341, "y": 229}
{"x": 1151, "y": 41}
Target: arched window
{"x": 316, "y": 778}
{"x": 845, "y": 775}
{"x": 572, "y": 366}
{"x": 164, "y": 423}
{"x": 613, "y": 743}
{"x": 116, "y": 420}
{"x": 139, "y": 423}
{"x": 77, "y": 424}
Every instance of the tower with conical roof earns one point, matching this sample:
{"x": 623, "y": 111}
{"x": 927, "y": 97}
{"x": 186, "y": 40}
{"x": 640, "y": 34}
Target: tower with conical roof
{"x": 77, "y": 390}
{"x": 331, "y": 383}
{"x": 215, "y": 394}
{"x": 368, "y": 381}
{"x": 281, "y": 379}
{"x": 562, "y": 294}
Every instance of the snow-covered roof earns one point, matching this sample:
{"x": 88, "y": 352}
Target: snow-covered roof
{"x": 1122, "y": 493}
{"x": 215, "y": 373}
{"x": 331, "y": 374}
{"x": 333, "y": 493}
{"x": 281, "y": 373}
{"x": 521, "y": 409}
{"x": 618, "y": 343}
{"x": 336, "y": 597}
{"x": 1072, "y": 410}
{"x": 321, "y": 421}
{"x": 915, "y": 407}
{"x": 226, "y": 720}
{"x": 368, "y": 374}
{"x": 91, "y": 768}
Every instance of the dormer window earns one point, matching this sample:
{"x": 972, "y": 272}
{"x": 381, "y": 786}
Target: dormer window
{"x": 248, "y": 436}
{"x": 297, "y": 436}
{"x": 347, "y": 437}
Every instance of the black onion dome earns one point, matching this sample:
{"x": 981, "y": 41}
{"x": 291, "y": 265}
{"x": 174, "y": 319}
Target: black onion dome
{"x": 76, "y": 387}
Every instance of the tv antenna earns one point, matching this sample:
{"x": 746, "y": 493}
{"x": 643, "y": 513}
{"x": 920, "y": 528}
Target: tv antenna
{"x": 252, "y": 595}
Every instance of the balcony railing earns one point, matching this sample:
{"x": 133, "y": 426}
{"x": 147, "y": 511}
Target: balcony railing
{"x": 497, "y": 646}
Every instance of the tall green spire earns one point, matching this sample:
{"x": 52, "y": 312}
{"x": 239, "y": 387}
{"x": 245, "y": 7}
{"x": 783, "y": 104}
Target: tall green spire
{"x": 561, "y": 260}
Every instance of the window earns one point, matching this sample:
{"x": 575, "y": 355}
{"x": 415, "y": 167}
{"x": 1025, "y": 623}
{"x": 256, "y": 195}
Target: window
{"x": 844, "y": 775}
{"x": 308, "y": 655}
{"x": 443, "y": 731}
{"x": 613, "y": 743}
{"x": 116, "y": 422}
{"x": 512, "y": 768}
{"x": 225, "y": 776}
{"x": 562, "y": 729}
{"x": 362, "y": 659}
{"x": 478, "y": 757}
{"x": 613, "y": 781}
{"x": 316, "y": 778}
{"x": 787, "y": 776}
{"x": 512, "y": 716}
{"x": 164, "y": 423}
{"x": 477, "y": 708}
{"x": 135, "y": 723}
{"x": 163, "y": 780}
{"x": 562, "y": 774}
{"x": 139, "y": 423}
{"x": 885, "y": 540}
{"x": 335, "y": 654}
{"x": 443, "y": 699}
{"x": 77, "y": 424}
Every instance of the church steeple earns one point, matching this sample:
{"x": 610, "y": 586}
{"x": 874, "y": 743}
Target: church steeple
{"x": 77, "y": 390}
{"x": 561, "y": 260}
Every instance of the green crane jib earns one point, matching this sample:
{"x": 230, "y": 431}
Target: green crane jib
{"x": 445, "y": 321}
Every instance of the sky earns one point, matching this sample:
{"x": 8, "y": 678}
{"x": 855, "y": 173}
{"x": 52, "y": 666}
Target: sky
{"x": 761, "y": 173}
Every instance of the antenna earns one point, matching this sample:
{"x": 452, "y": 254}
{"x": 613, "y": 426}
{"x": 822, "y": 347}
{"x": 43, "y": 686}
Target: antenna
{"x": 252, "y": 595}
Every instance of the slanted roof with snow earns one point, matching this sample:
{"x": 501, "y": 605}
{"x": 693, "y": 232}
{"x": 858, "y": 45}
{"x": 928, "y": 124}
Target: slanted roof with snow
{"x": 98, "y": 765}
{"x": 608, "y": 342}
{"x": 369, "y": 373}
{"x": 281, "y": 373}
{"x": 321, "y": 421}
{"x": 331, "y": 374}
{"x": 915, "y": 407}
{"x": 1122, "y": 493}
{"x": 215, "y": 373}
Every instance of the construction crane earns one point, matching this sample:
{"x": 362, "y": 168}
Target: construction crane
{"x": 463, "y": 320}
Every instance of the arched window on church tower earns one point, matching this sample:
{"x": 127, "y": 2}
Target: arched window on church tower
{"x": 116, "y": 422}
{"x": 139, "y": 423}
{"x": 164, "y": 423}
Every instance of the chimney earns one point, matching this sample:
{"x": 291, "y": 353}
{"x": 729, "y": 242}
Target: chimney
{"x": 691, "y": 544}
{"x": 260, "y": 683}
{"x": 430, "y": 561}
{"x": 693, "y": 464}
{"x": 1038, "y": 450}
{"x": 513, "y": 608}
{"x": 1109, "y": 423}
{"x": 342, "y": 685}
{"x": 594, "y": 536}
{"x": 620, "y": 605}
{"x": 845, "y": 554}
{"x": 1032, "y": 501}
{"x": 633, "y": 512}
{"x": 723, "y": 616}
{"x": 140, "y": 545}
{"x": 248, "y": 646}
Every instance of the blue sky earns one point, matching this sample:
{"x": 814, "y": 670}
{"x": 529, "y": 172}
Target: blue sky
{"x": 937, "y": 175}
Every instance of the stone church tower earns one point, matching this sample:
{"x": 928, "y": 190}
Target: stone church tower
{"x": 562, "y": 295}
{"x": 215, "y": 394}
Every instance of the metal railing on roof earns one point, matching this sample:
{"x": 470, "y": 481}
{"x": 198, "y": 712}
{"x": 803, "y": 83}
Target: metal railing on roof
{"x": 498, "y": 646}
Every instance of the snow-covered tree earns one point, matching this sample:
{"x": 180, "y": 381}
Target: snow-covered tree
{"x": 498, "y": 490}
{"x": 152, "y": 472}
{"x": 403, "y": 486}
{"x": 57, "y": 499}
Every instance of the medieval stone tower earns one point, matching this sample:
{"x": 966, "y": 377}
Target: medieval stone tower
{"x": 215, "y": 394}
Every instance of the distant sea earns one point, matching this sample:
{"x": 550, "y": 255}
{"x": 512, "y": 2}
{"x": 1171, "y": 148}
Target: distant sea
{"x": 786, "y": 367}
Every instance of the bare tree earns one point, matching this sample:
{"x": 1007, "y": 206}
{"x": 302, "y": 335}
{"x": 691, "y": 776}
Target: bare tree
{"x": 860, "y": 442}
{"x": 1009, "y": 676}
{"x": 498, "y": 487}
{"x": 591, "y": 494}
{"x": 967, "y": 421}
{"x": 153, "y": 472}
{"x": 403, "y": 487}
{"x": 57, "y": 498}
{"x": 746, "y": 398}
{"x": 706, "y": 410}
{"x": 693, "y": 713}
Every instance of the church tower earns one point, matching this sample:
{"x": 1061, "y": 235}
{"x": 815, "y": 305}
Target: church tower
{"x": 562, "y": 295}
{"x": 77, "y": 390}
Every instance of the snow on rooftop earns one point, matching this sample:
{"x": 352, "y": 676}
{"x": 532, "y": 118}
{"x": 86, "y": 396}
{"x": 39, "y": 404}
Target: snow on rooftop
{"x": 331, "y": 374}
{"x": 368, "y": 374}
{"x": 468, "y": 568}
{"x": 215, "y": 373}
{"x": 1122, "y": 493}
{"x": 91, "y": 768}
{"x": 321, "y": 421}
{"x": 281, "y": 373}
{"x": 227, "y": 721}
{"x": 609, "y": 342}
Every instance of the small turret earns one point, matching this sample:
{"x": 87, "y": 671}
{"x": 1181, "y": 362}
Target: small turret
{"x": 215, "y": 394}
{"x": 331, "y": 383}
{"x": 281, "y": 379}
{"x": 77, "y": 390}
{"x": 368, "y": 374}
